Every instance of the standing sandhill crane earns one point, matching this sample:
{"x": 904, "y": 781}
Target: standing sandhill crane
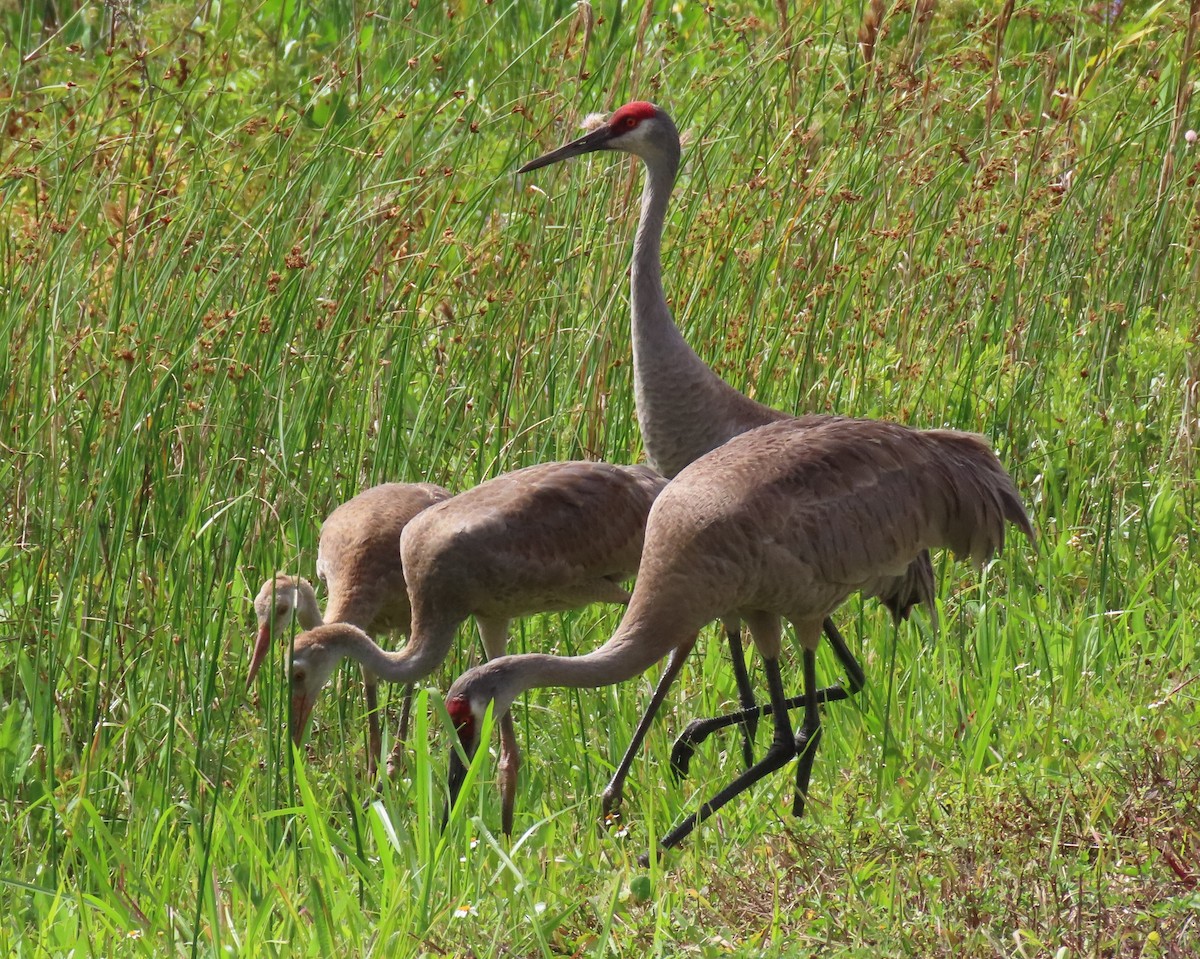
{"x": 783, "y": 521}
{"x": 684, "y": 409}
{"x": 551, "y": 537}
{"x": 359, "y": 564}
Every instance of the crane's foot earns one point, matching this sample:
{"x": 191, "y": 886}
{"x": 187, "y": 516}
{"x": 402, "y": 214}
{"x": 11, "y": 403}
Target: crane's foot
{"x": 699, "y": 730}
{"x": 747, "y": 718}
{"x": 610, "y": 808}
{"x": 783, "y": 746}
{"x": 782, "y": 749}
{"x": 611, "y": 799}
{"x": 614, "y": 824}
{"x": 685, "y": 746}
{"x": 611, "y": 820}
{"x": 780, "y": 753}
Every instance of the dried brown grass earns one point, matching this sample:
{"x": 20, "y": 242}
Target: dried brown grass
{"x": 869, "y": 29}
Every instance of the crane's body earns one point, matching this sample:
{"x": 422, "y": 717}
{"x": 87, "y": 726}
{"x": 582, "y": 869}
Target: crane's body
{"x": 550, "y": 537}
{"x": 358, "y": 557}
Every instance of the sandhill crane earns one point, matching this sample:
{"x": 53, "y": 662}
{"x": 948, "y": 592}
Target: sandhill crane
{"x": 358, "y": 560}
{"x": 684, "y": 409}
{"x": 783, "y": 521}
{"x": 550, "y": 537}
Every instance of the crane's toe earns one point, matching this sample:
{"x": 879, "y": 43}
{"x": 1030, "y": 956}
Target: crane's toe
{"x": 610, "y": 803}
{"x": 685, "y": 746}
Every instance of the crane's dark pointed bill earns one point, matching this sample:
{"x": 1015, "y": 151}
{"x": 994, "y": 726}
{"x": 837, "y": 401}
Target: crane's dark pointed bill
{"x": 456, "y": 775}
{"x": 302, "y": 708}
{"x": 261, "y": 647}
{"x": 463, "y": 718}
{"x": 588, "y": 143}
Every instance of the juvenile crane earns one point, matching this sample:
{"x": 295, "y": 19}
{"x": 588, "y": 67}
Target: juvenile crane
{"x": 784, "y": 521}
{"x": 683, "y": 408}
{"x": 358, "y": 562}
{"x": 551, "y": 537}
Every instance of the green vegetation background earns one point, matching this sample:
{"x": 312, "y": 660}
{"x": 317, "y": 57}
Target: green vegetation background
{"x": 258, "y": 256}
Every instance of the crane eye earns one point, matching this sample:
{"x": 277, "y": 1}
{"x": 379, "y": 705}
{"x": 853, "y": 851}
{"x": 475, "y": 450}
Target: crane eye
{"x": 281, "y": 611}
{"x": 630, "y": 123}
{"x": 297, "y": 677}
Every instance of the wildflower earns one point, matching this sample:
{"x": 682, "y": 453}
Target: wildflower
{"x": 464, "y": 910}
{"x": 473, "y": 844}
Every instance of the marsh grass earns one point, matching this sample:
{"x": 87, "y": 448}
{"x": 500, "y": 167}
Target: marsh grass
{"x": 255, "y": 258}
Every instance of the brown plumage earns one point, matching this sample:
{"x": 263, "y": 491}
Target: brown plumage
{"x": 784, "y": 521}
{"x": 358, "y": 559}
{"x": 550, "y": 537}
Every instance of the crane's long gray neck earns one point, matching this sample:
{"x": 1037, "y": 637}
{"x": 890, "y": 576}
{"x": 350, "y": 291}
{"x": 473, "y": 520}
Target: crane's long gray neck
{"x": 425, "y": 650}
{"x": 645, "y": 636}
{"x": 654, "y": 327}
{"x": 684, "y": 409}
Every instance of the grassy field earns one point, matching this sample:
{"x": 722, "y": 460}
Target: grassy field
{"x": 256, "y": 257}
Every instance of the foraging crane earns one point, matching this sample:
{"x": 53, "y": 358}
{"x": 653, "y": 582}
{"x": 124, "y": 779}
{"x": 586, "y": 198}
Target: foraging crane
{"x": 784, "y": 521}
{"x": 684, "y": 409}
{"x": 550, "y": 537}
{"x": 360, "y": 567}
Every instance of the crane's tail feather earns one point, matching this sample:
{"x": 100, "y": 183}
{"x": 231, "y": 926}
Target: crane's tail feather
{"x": 977, "y": 500}
{"x": 981, "y": 497}
{"x": 915, "y": 585}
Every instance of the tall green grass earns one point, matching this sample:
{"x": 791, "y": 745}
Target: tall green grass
{"x": 256, "y": 258}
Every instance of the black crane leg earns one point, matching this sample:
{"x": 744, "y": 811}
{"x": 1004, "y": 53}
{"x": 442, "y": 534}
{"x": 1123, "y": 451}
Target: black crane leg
{"x": 782, "y": 749}
{"x": 405, "y": 713}
{"x": 396, "y": 756}
{"x": 809, "y": 736}
{"x": 700, "y": 729}
{"x": 855, "y": 677}
{"x": 737, "y": 656}
{"x": 613, "y": 792}
{"x": 374, "y": 736}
